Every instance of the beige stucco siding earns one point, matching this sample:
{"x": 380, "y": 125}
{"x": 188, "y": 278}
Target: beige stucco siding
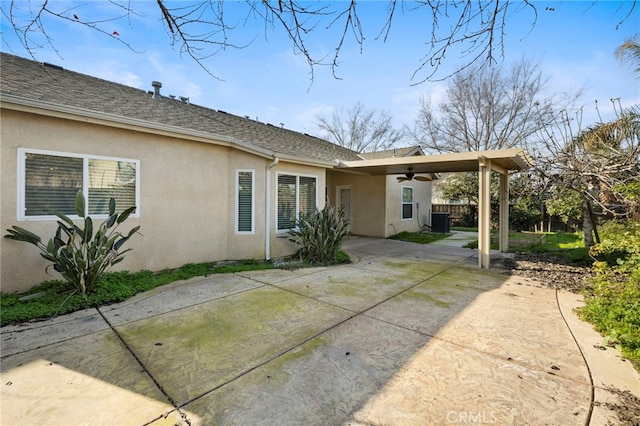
{"x": 246, "y": 245}
{"x": 376, "y": 203}
{"x": 421, "y": 206}
{"x": 368, "y": 201}
{"x": 187, "y": 196}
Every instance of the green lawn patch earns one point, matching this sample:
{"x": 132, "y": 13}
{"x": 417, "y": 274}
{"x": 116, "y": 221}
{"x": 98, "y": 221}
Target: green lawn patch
{"x": 53, "y": 298}
{"x": 569, "y": 246}
{"x": 418, "y": 237}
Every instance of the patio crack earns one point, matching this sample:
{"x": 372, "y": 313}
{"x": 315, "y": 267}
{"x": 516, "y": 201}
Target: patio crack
{"x": 351, "y": 314}
{"x": 359, "y": 312}
{"x": 147, "y": 372}
{"x": 314, "y": 336}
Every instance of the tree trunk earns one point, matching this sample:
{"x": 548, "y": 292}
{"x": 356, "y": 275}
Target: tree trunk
{"x": 588, "y": 224}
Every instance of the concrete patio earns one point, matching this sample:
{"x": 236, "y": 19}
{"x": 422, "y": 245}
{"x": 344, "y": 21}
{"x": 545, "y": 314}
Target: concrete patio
{"x": 406, "y": 335}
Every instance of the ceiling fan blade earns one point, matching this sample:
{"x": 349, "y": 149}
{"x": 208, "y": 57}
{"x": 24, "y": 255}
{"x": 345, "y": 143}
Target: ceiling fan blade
{"x": 422, "y": 178}
{"x": 402, "y": 178}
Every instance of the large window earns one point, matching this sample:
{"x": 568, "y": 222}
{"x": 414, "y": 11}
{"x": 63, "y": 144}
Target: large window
{"x": 49, "y": 181}
{"x": 407, "y": 202}
{"x": 245, "y": 202}
{"x": 296, "y": 197}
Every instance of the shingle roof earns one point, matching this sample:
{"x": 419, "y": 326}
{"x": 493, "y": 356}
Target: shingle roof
{"x": 40, "y": 82}
{"x": 396, "y": 152}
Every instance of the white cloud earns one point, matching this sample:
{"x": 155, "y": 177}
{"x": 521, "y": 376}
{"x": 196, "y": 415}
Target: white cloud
{"x": 109, "y": 70}
{"x": 304, "y": 119}
{"x": 601, "y": 77}
{"x": 127, "y": 78}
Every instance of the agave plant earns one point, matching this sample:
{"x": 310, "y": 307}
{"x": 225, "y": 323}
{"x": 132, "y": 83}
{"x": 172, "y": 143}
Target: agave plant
{"x": 320, "y": 235}
{"x": 78, "y": 254}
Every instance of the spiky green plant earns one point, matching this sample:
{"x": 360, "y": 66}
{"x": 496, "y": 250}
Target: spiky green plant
{"x": 320, "y": 235}
{"x": 78, "y": 254}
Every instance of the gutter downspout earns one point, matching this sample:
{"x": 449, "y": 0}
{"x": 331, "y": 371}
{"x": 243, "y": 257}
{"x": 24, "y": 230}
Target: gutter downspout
{"x": 267, "y": 208}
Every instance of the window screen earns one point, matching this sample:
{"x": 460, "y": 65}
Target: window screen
{"x": 111, "y": 179}
{"x": 407, "y": 202}
{"x": 245, "y": 201}
{"x": 52, "y": 180}
{"x": 51, "y": 183}
{"x": 286, "y": 201}
{"x": 307, "y": 195}
{"x": 296, "y": 196}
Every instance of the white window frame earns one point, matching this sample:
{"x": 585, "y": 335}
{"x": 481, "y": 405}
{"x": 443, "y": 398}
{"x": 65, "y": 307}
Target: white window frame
{"x": 297, "y": 176}
{"x": 403, "y": 203}
{"x": 253, "y": 201}
{"x": 85, "y": 179}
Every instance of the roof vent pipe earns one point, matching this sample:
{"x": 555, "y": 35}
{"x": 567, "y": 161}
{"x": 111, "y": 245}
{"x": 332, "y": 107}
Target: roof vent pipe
{"x": 156, "y": 87}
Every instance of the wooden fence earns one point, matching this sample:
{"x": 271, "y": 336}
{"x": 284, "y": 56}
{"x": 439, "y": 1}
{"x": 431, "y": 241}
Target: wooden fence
{"x": 455, "y": 210}
{"x": 549, "y": 224}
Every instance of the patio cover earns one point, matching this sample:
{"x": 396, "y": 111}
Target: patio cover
{"x": 501, "y": 161}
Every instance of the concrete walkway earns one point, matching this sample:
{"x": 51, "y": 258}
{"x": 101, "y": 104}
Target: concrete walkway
{"x": 406, "y": 335}
{"x": 458, "y": 239}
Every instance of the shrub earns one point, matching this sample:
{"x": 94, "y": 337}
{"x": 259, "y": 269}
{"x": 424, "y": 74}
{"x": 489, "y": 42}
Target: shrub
{"x": 619, "y": 246}
{"x": 342, "y": 257}
{"x": 79, "y": 255}
{"x": 523, "y": 216}
{"x": 320, "y": 235}
{"x": 468, "y": 217}
{"x": 612, "y": 302}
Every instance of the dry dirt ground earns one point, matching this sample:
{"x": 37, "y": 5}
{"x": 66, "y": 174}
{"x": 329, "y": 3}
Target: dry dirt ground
{"x": 560, "y": 274}
{"x": 551, "y": 271}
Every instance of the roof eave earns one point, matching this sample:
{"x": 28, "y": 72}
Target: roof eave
{"x": 37, "y": 106}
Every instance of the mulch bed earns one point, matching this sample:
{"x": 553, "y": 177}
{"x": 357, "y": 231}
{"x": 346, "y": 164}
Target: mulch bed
{"x": 549, "y": 270}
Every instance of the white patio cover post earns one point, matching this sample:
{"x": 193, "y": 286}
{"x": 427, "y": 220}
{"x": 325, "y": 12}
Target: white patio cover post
{"x": 504, "y": 211}
{"x": 484, "y": 212}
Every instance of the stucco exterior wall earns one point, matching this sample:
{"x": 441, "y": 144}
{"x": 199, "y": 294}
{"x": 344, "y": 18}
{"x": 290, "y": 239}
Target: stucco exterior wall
{"x": 368, "y": 201}
{"x": 246, "y": 246}
{"x": 376, "y": 203}
{"x": 421, "y": 206}
{"x": 187, "y": 196}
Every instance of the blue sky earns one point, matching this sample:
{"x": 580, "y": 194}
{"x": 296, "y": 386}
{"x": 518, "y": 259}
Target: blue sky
{"x": 573, "y": 41}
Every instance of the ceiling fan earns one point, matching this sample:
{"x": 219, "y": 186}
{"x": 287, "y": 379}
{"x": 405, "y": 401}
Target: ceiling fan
{"x": 411, "y": 176}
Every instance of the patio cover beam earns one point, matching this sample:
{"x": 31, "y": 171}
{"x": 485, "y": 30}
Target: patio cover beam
{"x": 502, "y": 161}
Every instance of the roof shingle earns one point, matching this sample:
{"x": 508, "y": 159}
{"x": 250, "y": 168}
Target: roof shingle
{"x": 41, "y": 82}
{"x": 391, "y": 153}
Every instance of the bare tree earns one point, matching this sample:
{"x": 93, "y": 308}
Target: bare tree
{"x": 360, "y": 129}
{"x": 484, "y": 109}
{"x": 471, "y": 30}
{"x": 601, "y": 163}
{"x": 488, "y": 108}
